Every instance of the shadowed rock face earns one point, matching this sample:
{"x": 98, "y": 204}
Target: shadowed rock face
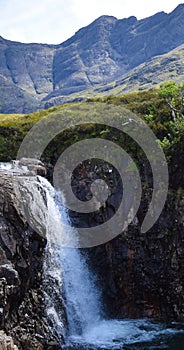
{"x": 140, "y": 274}
{"x": 22, "y": 301}
{"x": 34, "y": 76}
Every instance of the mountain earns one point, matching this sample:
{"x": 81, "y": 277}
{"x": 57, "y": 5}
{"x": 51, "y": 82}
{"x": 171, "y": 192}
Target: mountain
{"x": 147, "y": 75}
{"x": 151, "y": 73}
{"x": 34, "y": 76}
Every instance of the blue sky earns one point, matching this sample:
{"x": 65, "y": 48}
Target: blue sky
{"x": 53, "y": 21}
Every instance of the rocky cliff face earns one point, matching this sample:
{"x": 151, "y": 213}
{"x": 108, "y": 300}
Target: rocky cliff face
{"x": 25, "y": 75}
{"x": 142, "y": 274}
{"x": 34, "y": 76}
{"x": 22, "y": 300}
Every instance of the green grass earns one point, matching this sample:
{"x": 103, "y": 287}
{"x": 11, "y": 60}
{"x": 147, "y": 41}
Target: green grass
{"x": 146, "y": 104}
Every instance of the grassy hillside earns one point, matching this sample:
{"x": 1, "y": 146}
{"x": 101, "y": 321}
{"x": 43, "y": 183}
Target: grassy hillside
{"x": 149, "y": 105}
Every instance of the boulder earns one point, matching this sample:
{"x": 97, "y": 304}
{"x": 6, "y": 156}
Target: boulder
{"x": 22, "y": 298}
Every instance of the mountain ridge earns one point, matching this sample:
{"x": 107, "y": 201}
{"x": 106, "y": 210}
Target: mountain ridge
{"x": 33, "y": 75}
{"x": 148, "y": 75}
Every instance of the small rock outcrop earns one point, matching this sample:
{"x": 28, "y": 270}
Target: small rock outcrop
{"x": 34, "y": 166}
{"x": 6, "y": 343}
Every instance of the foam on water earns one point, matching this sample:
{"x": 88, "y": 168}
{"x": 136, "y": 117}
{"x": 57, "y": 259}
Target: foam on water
{"x": 114, "y": 334}
{"x": 12, "y": 167}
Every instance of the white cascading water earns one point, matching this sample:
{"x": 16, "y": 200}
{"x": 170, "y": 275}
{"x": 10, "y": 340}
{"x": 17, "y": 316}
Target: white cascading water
{"x": 66, "y": 272}
{"x": 82, "y": 298}
{"x": 69, "y": 269}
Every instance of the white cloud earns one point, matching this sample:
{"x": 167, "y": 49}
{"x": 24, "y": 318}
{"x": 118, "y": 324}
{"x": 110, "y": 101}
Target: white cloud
{"x": 53, "y": 21}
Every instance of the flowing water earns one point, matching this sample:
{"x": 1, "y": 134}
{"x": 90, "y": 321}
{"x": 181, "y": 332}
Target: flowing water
{"x": 12, "y": 168}
{"x": 70, "y": 271}
{"x": 87, "y": 327}
{"x": 128, "y": 334}
{"x": 74, "y": 307}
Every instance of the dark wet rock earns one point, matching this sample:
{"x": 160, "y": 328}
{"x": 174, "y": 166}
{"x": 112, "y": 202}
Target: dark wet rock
{"x": 142, "y": 275}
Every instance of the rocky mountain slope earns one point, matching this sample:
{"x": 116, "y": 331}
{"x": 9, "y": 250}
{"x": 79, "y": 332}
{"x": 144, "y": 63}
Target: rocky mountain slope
{"x": 166, "y": 67}
{"x": 34, "y": 76}
{"x": 147, "y": 75}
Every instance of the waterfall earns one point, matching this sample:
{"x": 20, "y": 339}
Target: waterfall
{"x": 68, "y": 275}
{"x": 73, "y": 300}
{"x": 82, "y": 298}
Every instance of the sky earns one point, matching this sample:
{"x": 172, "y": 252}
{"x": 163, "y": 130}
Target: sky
{"x": 54, "y": 21}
